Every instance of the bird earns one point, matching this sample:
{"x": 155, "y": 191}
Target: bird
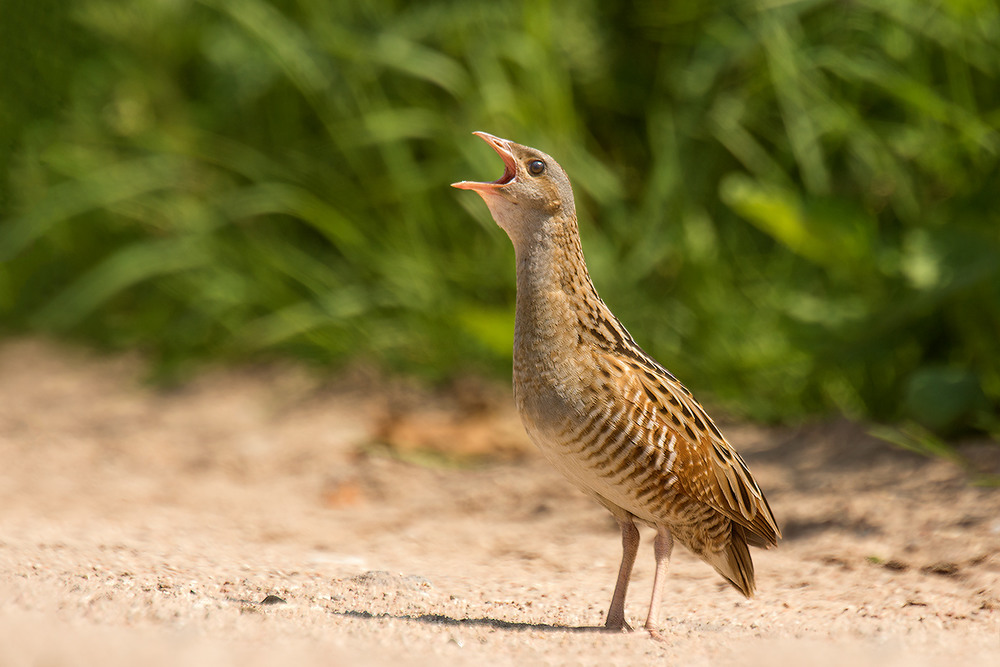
{"x": 606, "y": 414}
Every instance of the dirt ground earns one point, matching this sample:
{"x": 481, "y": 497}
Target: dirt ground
{"x": 266, "y": 516}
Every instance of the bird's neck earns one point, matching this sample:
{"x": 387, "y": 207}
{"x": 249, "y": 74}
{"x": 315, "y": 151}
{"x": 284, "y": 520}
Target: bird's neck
{"x": 552, "y": 260}
{"x": 553, "y": 284}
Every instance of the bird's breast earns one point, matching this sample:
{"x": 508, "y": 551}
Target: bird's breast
{"x": 599, "y": 441}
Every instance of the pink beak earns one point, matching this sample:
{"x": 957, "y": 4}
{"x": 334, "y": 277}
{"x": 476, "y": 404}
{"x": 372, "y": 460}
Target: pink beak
{"x": 502, "y": 147}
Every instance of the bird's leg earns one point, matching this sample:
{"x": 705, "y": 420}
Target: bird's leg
{"x": 663, "y": 544}
{"x": 630, "y": 545}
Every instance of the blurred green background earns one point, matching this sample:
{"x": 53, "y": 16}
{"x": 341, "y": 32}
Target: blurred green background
{"x": 795, "y": 206}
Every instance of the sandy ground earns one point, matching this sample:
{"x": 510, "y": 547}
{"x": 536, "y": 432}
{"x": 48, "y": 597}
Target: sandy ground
{"x": 394, "y": 525}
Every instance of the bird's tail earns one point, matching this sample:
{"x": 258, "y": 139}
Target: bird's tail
{"x": 733, "y": 562}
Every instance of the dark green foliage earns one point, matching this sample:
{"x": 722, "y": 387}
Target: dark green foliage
{"x": 793, "y": 205}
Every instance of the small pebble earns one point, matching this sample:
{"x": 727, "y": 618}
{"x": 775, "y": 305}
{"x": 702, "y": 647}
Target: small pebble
{"x": 273, "y": 599}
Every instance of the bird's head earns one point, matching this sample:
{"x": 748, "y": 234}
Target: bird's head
{"x": 533, "y": 192}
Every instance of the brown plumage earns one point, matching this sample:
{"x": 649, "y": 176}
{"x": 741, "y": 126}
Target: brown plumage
{"x": 604, "y": 412}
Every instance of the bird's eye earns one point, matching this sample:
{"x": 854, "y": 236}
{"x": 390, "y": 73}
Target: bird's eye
{"x": 536, "y": 167}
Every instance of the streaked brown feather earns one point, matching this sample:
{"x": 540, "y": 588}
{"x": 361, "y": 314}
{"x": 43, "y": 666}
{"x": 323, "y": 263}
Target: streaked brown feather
{"x": 713, "y": 472}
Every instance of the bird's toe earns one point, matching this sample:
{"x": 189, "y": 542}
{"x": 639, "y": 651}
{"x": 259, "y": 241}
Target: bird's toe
{"x": 617, "y": 625}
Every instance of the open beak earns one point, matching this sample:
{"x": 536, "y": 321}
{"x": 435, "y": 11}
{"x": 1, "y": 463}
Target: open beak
{"x": 502, "y": 147}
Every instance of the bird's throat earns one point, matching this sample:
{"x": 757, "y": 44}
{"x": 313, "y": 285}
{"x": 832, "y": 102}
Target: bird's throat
{"x": 553, "y": 285}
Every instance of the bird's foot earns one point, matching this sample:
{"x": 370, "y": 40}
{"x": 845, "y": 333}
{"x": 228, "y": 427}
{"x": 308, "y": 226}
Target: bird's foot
{"x": 655, "y": 635}
{"x": 617, "y": 625}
